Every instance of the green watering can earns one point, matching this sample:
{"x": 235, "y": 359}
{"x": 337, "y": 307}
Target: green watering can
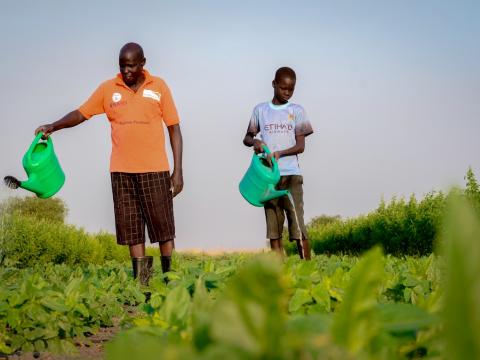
{"x": 45, "y": 176}
{"x": 258, "y": 183}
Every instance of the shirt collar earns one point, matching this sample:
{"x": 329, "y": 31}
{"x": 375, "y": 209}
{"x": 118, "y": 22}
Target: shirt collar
{"x": 278, "y": 107}
{"x": 148, "y": 79}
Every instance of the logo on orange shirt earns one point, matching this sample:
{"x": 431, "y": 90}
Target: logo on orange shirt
{"x": 155, "y": 95}
{"x": 116, "y": 97}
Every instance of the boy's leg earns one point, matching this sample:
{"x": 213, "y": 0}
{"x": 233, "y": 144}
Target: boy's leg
{"x": 275, "y": 219}
{"x": 296, "y": 226}
{"x": 277, "y": 246}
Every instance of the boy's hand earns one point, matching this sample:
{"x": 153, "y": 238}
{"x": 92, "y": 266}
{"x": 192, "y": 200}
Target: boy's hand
{"x": 275, "y": 154}
{"x": 258, "y": 146}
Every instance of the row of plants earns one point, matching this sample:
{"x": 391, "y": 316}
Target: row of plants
{"x": 334, "y": 307}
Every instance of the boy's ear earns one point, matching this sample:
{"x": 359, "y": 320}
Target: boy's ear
{"x": 273, "y": 83}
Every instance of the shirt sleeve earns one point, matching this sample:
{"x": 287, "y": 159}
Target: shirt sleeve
{"x": 169, "y": 110}
{"x": 254, "y": 124}
{"x": 302, "y": 124}
{"x": 94, "y": 104}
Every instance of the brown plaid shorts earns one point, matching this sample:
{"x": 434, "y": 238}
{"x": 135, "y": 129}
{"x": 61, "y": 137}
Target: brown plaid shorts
{"x": 140, "y": 199}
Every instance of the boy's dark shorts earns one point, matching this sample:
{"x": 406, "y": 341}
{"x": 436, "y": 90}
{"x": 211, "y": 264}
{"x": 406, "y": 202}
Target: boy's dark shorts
{"x": 139, "y": 199}
{"x": 276, "y": 209}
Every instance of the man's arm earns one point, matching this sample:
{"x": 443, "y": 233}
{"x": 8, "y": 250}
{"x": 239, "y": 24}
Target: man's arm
{"x": 176, "y": 142}
{"x": 72, "y": 119}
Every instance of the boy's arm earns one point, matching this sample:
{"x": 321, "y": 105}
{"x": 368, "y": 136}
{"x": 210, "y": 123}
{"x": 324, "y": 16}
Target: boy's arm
{"x": 298, "y": 148}
{"x": 249, "y": 140}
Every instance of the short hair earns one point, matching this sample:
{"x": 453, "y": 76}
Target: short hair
{"x": 132, "y": 47}
{"x": 285, "y": 72}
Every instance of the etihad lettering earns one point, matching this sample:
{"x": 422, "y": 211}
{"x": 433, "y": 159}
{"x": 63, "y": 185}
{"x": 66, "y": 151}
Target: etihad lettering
{"x": 277, "y": 127}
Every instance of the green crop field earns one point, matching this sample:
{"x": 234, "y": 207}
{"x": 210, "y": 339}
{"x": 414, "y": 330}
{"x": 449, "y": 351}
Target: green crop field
{"x": 366, "y": 303}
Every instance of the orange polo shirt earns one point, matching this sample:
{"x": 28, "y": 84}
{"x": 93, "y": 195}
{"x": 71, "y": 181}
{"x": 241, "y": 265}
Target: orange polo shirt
{"x": 136, "y": 120}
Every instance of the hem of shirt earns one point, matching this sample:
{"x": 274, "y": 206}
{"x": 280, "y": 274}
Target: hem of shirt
{"x": 287, "y": 173}
{"x": 138, "y": 171}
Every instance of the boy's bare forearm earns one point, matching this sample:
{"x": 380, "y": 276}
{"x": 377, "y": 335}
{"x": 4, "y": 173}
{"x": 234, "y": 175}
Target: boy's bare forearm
{"x": 298, "y": 148}
{"x": 248, "y": 140}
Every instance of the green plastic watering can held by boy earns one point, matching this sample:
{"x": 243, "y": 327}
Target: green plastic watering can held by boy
{"x": 258, "y": 184}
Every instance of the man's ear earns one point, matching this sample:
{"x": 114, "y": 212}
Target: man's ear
{"x": 143, "y": 62}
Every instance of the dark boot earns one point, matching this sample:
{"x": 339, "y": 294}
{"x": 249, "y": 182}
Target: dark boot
{"x": 142, "y": 268}
{"x": 166, "y": 265}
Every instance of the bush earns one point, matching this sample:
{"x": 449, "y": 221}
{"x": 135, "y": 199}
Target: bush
{"x": 401, "y": 227}
{"x": 52, "y": 209}
{"x": 32, "y": 232}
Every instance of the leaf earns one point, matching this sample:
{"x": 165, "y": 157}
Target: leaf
{"x": 176, "y": 306}
{"x": 300, "y": 298}
{"x": 461, "y": 238}
{"x": 356, "y": 324}
{"x": 321, "y": 296}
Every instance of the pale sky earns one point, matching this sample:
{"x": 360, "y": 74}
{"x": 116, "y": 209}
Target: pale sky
{"x": 391, "y": 88}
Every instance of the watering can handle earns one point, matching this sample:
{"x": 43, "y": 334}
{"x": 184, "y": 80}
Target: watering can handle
{"x": 268, "y": 152}
{"x": 35, "y": 142}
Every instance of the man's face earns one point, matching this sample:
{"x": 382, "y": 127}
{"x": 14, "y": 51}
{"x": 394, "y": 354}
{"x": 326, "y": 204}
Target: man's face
{"x": 131, "y": 67}
{"x": 283, "y": 89}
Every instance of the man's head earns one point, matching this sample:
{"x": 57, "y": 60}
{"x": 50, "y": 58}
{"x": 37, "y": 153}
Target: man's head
{"x": 284, "y": 84}
{"x": 131, "y": 61}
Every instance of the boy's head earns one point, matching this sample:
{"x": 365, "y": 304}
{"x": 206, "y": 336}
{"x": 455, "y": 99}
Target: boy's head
{"x": 283, "y": 85}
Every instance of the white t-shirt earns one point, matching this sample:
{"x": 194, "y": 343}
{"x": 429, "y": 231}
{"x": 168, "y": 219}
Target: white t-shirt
{"x": 278, "y": 125}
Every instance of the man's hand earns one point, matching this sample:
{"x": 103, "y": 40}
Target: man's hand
{"x": 258, "y": 146}
{"x": 176, "y": 181}
{"x": 47, "y": 130}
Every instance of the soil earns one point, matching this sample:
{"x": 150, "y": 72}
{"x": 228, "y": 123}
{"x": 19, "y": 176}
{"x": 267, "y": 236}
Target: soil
{"x": 92, "y": 348}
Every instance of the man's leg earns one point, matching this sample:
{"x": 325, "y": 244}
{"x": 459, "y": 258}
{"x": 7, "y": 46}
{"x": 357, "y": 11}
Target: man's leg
{"x": 157, "y": 206}
{"x": 137, "y": 250}
{"x": 166, "y": 250}
{"x": 129, "y": 223}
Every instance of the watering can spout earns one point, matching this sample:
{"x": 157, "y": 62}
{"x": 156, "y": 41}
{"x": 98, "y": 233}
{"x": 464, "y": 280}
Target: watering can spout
{"x": 30, "y": 184}
{"x": 272, "y": 193}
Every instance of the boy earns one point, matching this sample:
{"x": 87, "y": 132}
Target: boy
{"x": 283, "y": 127}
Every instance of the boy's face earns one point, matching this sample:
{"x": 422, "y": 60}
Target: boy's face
{"x": 283, "y": 89}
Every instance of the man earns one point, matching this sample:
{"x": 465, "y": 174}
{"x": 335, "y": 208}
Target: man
{"x": 137, "y": 105}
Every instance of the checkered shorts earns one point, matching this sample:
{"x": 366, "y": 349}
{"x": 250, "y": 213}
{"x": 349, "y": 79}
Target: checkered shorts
{"x": 141, "y": 199}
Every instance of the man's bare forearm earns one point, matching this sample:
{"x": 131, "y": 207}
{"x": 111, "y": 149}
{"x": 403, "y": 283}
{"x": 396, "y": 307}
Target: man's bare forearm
{"x": 73, "y": 118}
{"x": 176, "y": 142}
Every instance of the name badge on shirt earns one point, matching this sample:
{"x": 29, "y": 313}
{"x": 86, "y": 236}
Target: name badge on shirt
{"x": 151, "y": 94}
